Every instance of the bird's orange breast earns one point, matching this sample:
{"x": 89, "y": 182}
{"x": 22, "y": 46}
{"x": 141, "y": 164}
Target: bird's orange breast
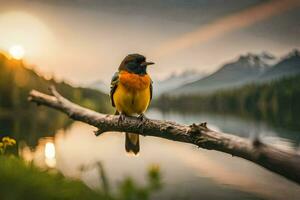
{"x": 134, "y": 81}
{"x": 132, "y": 95}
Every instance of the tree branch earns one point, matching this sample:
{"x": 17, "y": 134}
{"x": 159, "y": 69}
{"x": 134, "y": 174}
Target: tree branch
{"x": 279, "y": 161}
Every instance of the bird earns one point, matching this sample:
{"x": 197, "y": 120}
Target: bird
{"x": 131, "y": 93}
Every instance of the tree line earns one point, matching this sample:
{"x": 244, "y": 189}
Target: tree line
{"x": 277, "y": 101}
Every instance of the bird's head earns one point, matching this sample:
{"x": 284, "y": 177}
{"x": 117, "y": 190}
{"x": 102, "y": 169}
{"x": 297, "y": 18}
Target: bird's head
{"x": 135, "y": 63}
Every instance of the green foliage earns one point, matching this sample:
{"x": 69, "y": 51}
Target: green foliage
{"x": 276, "y": 102}
{"x": 19, "y": 181}
{"x": 23, "y": 181}
{"x": 129, "y": 190}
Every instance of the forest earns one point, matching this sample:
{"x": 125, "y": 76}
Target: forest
{"x": 276, "y": 102}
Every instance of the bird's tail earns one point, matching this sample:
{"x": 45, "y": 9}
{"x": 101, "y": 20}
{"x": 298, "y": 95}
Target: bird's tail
{"x": 132, "y": 142}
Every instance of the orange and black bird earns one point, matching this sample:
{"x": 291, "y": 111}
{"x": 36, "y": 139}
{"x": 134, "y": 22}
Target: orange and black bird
{"x": 131, "y": 93}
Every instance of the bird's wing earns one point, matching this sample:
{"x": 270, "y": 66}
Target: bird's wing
{"x": 151, "y": 90}
{"x": 113, "y": 86}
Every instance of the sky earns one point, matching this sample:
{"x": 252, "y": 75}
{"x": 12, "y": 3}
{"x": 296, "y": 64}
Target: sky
{"x": 82, "y": 41}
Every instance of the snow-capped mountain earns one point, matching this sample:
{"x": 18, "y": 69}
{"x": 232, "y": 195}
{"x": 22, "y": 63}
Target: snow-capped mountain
{"x": 288, "y": 66}
{"x": 268, "y": 58}
{"x": 245, "y": 69}
{"x": 175, "y": 81}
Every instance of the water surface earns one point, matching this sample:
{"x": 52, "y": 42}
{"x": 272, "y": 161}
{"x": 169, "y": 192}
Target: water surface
{"x": 188, "y": 172}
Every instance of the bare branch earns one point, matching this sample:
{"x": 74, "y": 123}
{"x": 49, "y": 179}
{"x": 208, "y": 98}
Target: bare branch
{"x": 282, "y": 162}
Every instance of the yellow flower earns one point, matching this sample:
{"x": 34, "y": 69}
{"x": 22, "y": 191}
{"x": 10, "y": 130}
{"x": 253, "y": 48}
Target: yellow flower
{"x": 1, "y": 145}
{"x": 7, "y": 141}
{"x": 12, "y": 141}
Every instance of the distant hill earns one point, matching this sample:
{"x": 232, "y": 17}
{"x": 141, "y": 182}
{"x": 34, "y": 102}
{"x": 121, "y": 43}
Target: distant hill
{"x": 250, "y": 68}
{"x": 241, "y": 71}
{"x": 16, "y": 81}
{"x": 175, "y": 81}
{"x": 289, "y": 65}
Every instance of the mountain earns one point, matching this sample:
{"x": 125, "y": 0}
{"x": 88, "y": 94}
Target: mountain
{"x": 288, "y": 66}
{"x": 100, "y": 86}
{"x": 241, "y": 71}
{"x": 175, "y": 81}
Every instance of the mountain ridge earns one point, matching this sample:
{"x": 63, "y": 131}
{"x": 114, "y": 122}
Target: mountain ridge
{"x": 247, "y": 68}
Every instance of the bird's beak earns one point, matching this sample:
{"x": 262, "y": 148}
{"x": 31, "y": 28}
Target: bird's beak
{"x": 144, "y": 64}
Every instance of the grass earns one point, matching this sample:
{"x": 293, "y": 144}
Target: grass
{"x": 21, "y": 181}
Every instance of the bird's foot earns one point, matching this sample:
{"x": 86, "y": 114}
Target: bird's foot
{"x": 143, "y": 119}
{"x": 122, "y": 117}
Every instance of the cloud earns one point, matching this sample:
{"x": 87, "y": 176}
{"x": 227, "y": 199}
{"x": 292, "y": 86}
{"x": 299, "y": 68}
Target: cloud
{"x": 225, "y": 25}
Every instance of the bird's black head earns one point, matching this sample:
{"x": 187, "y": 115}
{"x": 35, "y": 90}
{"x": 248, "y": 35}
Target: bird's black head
{"x": 135, "y": 63}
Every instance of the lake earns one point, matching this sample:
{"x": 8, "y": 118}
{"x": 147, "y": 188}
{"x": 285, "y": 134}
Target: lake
{"x": 188, "y": 172}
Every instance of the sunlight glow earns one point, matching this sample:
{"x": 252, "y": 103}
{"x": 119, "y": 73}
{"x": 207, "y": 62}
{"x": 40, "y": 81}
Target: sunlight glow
{"x": 49, "y": 150}
{"x": 17, "y": 51}
{"x": 50, "y": 154}
{"x": 24, "y": 29}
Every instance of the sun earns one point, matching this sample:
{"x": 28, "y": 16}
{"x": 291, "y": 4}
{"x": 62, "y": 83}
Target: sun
{"x": 17, "y": 51}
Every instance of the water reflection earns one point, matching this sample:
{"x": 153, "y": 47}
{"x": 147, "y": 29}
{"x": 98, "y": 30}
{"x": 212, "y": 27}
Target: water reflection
{"x": 43, "y": 155}
{"x": 43, "y": 123}
{"x": 50, "y": 159}
{"x": 188, "y": 172}
{"x": 244, "y": 127}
